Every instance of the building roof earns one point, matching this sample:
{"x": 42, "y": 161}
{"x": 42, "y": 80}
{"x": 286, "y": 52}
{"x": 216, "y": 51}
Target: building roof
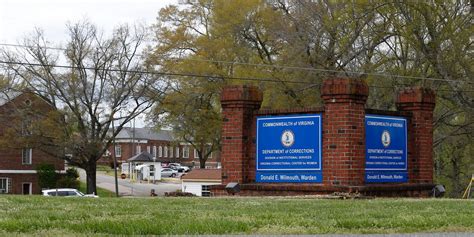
{"x": 145, "y": 134}
{"x": 8, "y": 96}
{"x": 203, "y": 175}
{"x": 142, "y": 157}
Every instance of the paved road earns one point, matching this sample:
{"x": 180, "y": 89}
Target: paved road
{"x": 127, "y": 188}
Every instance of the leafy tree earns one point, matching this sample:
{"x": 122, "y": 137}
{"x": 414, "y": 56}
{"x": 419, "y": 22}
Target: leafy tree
{"x": 434, "y": 40}
{"x": 194, "y": 118}
{"x": 101, "y": 83}
{"x": 298, "y": 43}
{"x": 223, "y": 39}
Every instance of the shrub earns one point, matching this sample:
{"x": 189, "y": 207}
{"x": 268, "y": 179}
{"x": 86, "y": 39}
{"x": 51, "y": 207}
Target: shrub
{"x": 68, "y": 182}
{"x": 72, "y": 173}
{"x": 47, "y": 176}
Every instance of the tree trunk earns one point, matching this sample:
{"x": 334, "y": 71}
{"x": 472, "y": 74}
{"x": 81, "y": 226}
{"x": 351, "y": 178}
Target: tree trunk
{"x": 91, "y": 177}
{"x": 455, "y": 177}
{"x": 202, "y": 158}
{"x": 202, "y": 163}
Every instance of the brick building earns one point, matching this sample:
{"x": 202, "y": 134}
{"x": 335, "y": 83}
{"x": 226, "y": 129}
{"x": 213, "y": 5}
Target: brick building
{"x": 18, "y": 166}
{"x": 160, "y": 143}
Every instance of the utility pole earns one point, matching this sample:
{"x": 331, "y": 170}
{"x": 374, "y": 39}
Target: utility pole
{"x": 115, "y": 159}
{"x": 134, "y": 148}
{"x": 154, "y": 169}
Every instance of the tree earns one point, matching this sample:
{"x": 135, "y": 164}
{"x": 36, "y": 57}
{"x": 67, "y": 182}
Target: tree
{"x": 194, "y": 118}
{"x": 433, "y": 40}
{"x": 101, "y": 83}
{"x": 287, "y": 48}
{"x": 216, "y": 40}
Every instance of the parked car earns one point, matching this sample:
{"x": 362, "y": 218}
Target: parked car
{"x": 66, "y": 192}
{"x": 179, "y": 167}
{"x": 168, "y": 172}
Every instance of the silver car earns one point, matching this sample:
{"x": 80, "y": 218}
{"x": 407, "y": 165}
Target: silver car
{"x": 167, "y": 172}
{"x": 66, "y": 192}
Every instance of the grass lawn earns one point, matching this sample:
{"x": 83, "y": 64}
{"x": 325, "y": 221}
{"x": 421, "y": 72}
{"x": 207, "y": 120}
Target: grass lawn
{"x": 158, "y": 216}
{"x": 107, "y": 170}
{"x": 101, "y": 192}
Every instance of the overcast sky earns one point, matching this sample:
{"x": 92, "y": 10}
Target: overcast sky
{"x": 20, "y": 17}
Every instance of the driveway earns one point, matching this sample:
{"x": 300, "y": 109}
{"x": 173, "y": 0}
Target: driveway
{"x": 127, "y": 188}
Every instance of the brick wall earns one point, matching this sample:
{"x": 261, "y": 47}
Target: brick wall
{"x": 239, "y": 105}
{"x": 12, "y": 114}
{"x": 344, "y": 131}
{"x": 420, "y": 102}
{"x": 10, "y": 158}
{"x": 343, "y": 142}
{"x": 17, "y": 181}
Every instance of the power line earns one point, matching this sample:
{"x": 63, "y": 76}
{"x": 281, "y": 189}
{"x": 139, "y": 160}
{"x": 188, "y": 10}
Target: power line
{"x": 311, "y": 85}
{"x": 153, "y": 73}
{"x": 383, "y": 75}
{"x": 25, "y": 46}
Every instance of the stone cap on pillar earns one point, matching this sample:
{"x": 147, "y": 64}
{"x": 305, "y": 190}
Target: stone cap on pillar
{"x": 416, "y": 98}
{"x": 241, "y": 94}
{"x": 341, "y": 89}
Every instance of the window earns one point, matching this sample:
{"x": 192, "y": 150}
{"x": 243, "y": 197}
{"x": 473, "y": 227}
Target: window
{"x": 26, "y": 128}
{"x": 171, "y": 152}
{"x": 118, "y": 150}
{"x": 166, "y": 151}
{"x": 160, "y": 151}
{"x": 62, "y": 193}
{"x": 148, "y": 149}
{"x": 26, "y": 156}
{"x": 210, "y": 154}
{"x": 5, "y": 184}
{"x": 206, "y": 190}
{"x": 139, "y": 149}
{"x": 186, "y": 152}
{"x": 196, "y": 155}
{"x": 154, "y": 151}
{"x": 177, "y": 152}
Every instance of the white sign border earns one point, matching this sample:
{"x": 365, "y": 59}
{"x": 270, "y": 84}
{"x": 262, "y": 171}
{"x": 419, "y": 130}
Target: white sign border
{"x": 406, "y": 142}
{"x": 292, "y": 117}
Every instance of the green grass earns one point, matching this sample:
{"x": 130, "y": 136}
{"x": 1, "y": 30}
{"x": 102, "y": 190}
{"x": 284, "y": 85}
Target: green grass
{"x": 163, "y": 216}
{"x": 101, "y": 192}
{"x": 104, "y": 169}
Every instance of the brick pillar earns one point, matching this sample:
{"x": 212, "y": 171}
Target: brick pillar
{"x": 344, "y": 131}
{"x": 239, "y": 104}
{"x": 420, "y": 102}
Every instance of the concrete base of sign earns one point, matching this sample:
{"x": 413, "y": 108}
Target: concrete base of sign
{"x": 373, "y": 190}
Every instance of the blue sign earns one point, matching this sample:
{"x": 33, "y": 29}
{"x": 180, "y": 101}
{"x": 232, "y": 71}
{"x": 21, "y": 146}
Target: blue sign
{"x": 289, "y": 149}
{"x": 386, "y": 149}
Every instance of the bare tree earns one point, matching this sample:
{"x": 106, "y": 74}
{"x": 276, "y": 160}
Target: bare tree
{"x": 101, "y": 83}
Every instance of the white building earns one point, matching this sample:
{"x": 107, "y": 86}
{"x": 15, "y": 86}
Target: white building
{"x": 142, "y": 167}
{"x": 198, "y": 181}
